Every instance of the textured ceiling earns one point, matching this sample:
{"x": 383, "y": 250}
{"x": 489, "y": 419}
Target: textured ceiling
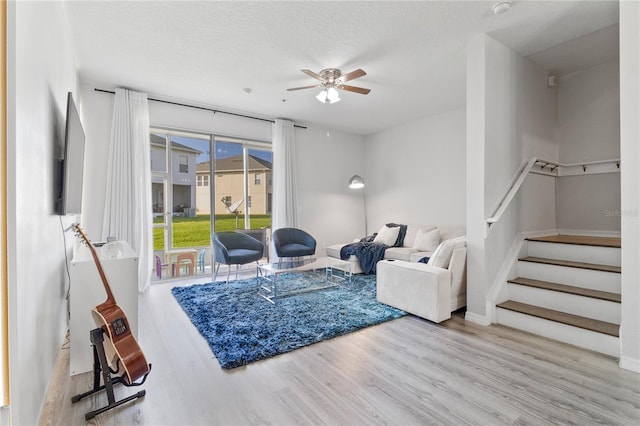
{"x": 208, "y": 52}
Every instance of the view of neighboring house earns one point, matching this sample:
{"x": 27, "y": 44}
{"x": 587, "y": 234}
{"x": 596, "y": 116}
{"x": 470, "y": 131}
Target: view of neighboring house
{"x": 229, "y": 185}
{"x": 190, "y": 181}
{"x": 183, "y": 176}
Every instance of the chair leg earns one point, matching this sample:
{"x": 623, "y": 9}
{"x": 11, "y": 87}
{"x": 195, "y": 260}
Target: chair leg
{"x": 228, "y": 270}
{"x": 237, "y": 267}
{"x": 215, "y": 274}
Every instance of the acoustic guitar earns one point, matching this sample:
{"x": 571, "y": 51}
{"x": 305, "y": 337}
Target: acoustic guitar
{"x": 122, "y": 347}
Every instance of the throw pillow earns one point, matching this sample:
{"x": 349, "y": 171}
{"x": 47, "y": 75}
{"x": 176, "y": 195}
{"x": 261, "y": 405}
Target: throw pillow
{"x": 427, "y": 241}
{"x": 401, "y": 234}
{"x": 442, "y": 256}
{"x": 387, "y": 236}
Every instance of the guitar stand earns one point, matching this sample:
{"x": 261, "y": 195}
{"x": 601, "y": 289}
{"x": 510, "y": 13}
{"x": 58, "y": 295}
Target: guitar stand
{"x": 100, "y": 365}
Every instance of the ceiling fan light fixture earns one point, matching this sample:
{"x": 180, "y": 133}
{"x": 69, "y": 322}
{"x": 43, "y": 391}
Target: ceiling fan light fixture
{"x": 332, "y": 95}
{"x": 331, "y": 81}
{"x": 322, "y": 96}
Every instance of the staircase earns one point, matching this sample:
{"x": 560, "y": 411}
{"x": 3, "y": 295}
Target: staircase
{"x": 567, "y": 289}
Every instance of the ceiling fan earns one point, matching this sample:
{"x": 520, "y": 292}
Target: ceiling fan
{"x": 331, "y": 79}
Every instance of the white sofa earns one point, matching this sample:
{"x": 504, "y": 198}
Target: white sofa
{"x": 431, "y": 291}
{"x": 408, "y": 252}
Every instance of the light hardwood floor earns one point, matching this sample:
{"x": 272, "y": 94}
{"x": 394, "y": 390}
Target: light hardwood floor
{"x": 405, "y": 372}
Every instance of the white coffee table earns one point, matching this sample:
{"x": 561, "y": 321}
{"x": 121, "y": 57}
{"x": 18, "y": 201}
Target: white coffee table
{"x": 337, "y": 273}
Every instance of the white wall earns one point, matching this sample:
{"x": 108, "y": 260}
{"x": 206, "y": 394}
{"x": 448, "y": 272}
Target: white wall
{"x": 41, "y": 72}
{"x": 415, "y": 172}
{"x": 511, "y": 117}
{"x": 326, "y": 160}
{"x": 589, "y": 130}
{"x": 630, "y": 182}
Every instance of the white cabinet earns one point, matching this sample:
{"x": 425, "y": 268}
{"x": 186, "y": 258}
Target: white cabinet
{"x": 120, "y": 265}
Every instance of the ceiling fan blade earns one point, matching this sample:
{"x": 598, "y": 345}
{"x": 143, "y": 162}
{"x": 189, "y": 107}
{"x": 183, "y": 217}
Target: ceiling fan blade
{"x": 313, "y": 74}
{"x": 303, "y": 87}
{"x": 352, "y": 75}
{"x": 348, "y": 88}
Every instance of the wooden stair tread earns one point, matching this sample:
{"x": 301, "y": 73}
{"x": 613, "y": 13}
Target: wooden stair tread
{"x": 572, "y": 264}
{"x": 563, "y": 317}
{"x": 569, "y": 289}
{"x": 580, "y": 240}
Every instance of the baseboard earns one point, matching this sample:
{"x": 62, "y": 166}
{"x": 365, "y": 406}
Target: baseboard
{"x": 5, "y": 415}
{"x": 564, "y": 231}
{"x": 631, "y": 364}
{"x": 539, "y": 233}
{"x": 589, "y": 232}
{"x": 478, "y": 319}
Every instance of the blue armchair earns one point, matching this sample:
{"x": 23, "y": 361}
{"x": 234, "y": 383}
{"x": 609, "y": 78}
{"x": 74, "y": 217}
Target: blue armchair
{"x": 235, "y": 248}
{"x": 293, "y": 242}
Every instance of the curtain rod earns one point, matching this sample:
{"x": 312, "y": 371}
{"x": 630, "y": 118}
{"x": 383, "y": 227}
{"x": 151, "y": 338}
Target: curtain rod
{"x": 203, "y": 108}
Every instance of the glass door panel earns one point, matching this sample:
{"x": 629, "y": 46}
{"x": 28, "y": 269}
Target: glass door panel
{"x": 181, "y": 212}
{"x": 159, "y": 202}
{"x": 243, "y": 186}
{"x": 229, "y": 195}
{"x": 158, "y": 185}
{"x": 260, "y": 188}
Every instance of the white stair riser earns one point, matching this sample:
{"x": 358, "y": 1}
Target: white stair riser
{"x": 578, "y": 277}
{"x": 588, "y": 307}
{"x": 598, "y": 342}
{"x": 575, "y": 252}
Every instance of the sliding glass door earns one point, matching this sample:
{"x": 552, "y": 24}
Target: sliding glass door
{"x": 202, "y": 182}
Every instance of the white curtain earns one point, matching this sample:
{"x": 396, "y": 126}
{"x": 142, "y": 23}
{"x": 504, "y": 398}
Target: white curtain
{"x": 127, "y": 213}
{"x": 285, "y": 191}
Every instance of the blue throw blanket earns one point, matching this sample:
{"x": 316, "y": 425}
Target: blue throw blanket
{"x": 368, "y": 254}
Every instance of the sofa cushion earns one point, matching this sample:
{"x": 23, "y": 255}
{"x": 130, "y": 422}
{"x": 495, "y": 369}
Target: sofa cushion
{"x": 442, "y": 255}
{"x": 399, "y": 253}
{"x": 412, "y": 231}
{"x": 334, "y": 250}
{"x": 427, "y": 240}
{"x": 387, "y": 236}
{"x": 417, "y": 255}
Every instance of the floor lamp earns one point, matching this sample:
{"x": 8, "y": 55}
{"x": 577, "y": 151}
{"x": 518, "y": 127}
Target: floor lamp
{"x": 356, "y": 182}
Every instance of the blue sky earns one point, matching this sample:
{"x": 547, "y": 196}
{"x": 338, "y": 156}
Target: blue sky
{"x": 225, "y": 149}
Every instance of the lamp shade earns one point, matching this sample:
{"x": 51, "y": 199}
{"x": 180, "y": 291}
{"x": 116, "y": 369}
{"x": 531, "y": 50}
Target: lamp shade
{"x": 356, "y": 182}
{"x": 332, "y": 95}
{"x": 322, "y": 96}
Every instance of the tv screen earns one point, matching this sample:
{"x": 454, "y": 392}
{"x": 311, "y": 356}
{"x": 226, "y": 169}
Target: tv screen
{"x": 70, "y": 201}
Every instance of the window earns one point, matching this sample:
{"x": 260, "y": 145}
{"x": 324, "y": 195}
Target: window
{"x": 256, "y": 180}
{"x": 203, "y": 180}
{"x": 249, "y": 201}
{"x": 184, "y": 164}
{"x": 227, "y": 200}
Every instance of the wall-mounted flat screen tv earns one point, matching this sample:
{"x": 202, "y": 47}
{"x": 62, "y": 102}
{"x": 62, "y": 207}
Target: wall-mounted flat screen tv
{"x": 70, "y": 200}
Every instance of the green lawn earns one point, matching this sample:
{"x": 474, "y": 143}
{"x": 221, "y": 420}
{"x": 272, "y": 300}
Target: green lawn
{"x": 195, "y": 231}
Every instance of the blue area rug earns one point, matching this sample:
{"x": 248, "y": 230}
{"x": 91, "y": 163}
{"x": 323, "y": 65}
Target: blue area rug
{"x": 242, "y": 327}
